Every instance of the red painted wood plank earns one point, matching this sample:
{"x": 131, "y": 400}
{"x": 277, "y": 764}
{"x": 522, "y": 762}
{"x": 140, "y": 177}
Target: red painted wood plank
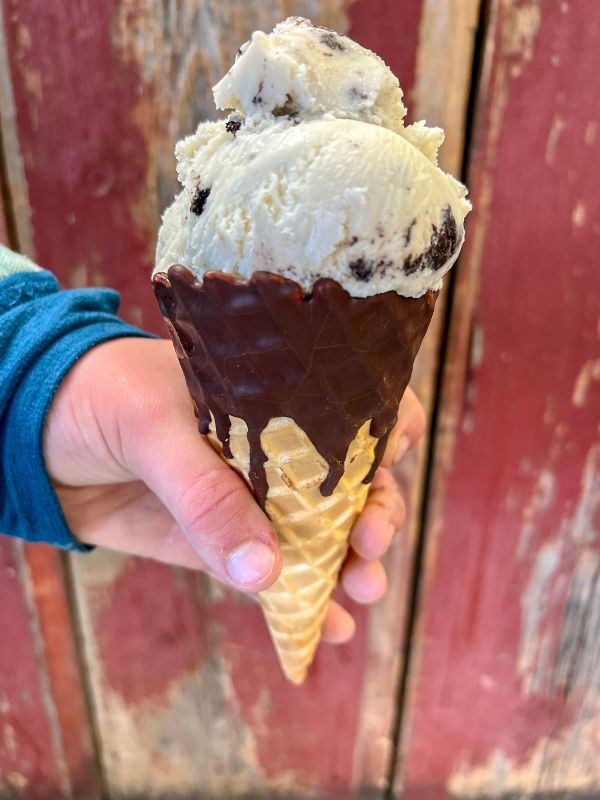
{"x": 62, "y": 668}
{"x": 85, "y": 157}
{"x": 45, "y": 746}
{"x": 28, "y": 767}
{"x": 504, "y": 684}
{"x": 309, "y": 732}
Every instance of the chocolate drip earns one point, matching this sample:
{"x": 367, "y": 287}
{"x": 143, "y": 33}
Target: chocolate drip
{"x": 261, "y": 349}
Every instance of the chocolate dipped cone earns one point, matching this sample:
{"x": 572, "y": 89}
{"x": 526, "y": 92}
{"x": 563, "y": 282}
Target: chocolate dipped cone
{"x": 298, "y": 393}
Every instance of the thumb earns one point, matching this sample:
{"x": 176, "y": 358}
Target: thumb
{"x": 209, "y": 501}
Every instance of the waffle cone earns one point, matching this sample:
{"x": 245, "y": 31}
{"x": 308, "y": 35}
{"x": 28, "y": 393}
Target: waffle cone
{"x": 313, "y": 530}
{"x": 298, "y": 392}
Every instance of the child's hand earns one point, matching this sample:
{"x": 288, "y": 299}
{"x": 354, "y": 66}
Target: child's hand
{"x": 133, "y": 474}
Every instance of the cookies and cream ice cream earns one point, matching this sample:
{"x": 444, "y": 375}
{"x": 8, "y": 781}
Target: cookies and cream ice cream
{"x": 314, "y": 174}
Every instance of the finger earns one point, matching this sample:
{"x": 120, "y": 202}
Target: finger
{"x": 209, "y": 501}
{"x": 382, "y": 516}
{"x": 408, "y": 429}
{"x": 363, "y": 581}
{"x": 339, "y": 625}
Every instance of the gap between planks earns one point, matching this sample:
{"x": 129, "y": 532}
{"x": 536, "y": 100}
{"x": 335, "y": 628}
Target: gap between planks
{"x": 412, "y": 618}
{"x": 13, "y": 183}
{"x": 85, "y": 675}
{"x": 17, "y": 231}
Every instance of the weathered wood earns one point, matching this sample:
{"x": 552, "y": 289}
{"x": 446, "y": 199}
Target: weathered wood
{"x": 29, "y": 757}
{"x": 49, "y": 601}
{"x": 433, "y": 64}
{"x": 45, "y": 745}
{"x": 13, "y": 178}
{"x": 504, "y": 689}
{"x": 185, "y": 687}
{"x": 45, "y": 741}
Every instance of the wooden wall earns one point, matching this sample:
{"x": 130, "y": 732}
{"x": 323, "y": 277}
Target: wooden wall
{"x": 505, "y": 666}
{"x": 138, "y": 680}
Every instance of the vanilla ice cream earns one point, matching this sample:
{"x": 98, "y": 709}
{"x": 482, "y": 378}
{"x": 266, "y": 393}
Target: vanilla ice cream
{"x": 314, "y": 174}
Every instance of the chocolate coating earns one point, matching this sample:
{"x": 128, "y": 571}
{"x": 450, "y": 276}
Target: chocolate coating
{"x": 261, "y": 348}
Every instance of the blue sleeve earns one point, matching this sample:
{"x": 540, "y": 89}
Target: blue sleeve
{"x": 43, "y": 331}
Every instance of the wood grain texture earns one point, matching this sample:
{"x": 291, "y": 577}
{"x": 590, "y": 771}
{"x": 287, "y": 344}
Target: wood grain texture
{"x": 45, "y": 744}
{"x": 436, "y": 51}
{"x": 44, "y": 570}
{"x": 504, "y": 690}
{"x": 45, "y": 740}
{"x": 30, "y": 761}
{"x": 13, "y": 177}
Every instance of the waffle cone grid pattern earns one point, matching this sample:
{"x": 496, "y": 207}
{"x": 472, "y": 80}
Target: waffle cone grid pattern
{"x": 313, "y": 530}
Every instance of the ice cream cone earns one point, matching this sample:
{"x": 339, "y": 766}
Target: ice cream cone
{"x": 297, "y": 272}
{"x": 313, "y": 530}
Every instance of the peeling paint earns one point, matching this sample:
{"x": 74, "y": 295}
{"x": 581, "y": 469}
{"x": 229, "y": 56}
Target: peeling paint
{"x": 477, "y": 346}
{"x": 533, "y": 606}
{"x": 556, "y": 129}
{"x": 579, "y": 214}
{"x": 540, "y": 500}
{"x": 102, "y": 568}
{"x": 16, "y": 780}
{"x": 79, "y": 277}
{"x": 588, "y": 373}
{"x": 545, "y": 770}
{"x": 585, "y": 527}
{"x": 567, "y": 761}
{"x": 189, "y": 737}
{"x": 519, "y": 33}
{"x": 591, "y": 131}
{"x": 185, "y": 752}
{"x": 32, "y": 78}
{"x": 135, "y": 315}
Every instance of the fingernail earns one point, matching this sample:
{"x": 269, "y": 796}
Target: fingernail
{"x": 250, "y": 563}
{"x": 402, "y": 449}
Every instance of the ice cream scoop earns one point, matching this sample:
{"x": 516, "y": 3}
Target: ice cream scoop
{"x": 303, "y": 71}
{"x": 314, "y": 175}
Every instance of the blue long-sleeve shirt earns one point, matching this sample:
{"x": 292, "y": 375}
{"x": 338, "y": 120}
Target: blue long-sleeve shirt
{"x": 43, "y": 331}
